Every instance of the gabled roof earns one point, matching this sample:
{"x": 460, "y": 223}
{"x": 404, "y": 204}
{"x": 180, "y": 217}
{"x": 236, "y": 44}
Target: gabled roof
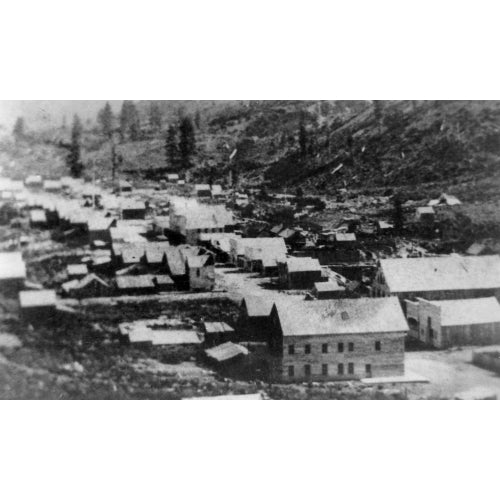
{"x": 175, "y": 262}
{"x": 37, "y": 298}
{"x": 441, "y": 273}
{"x": 328, "y": 286}
{"x": 345, "y": 237}
{"x": 77, "y": 269}
{"x": 99, "y": 223}
{"x": 132, "y": 254}
{"x": 446, "y": 199}
{"x": 425, "y": 210}
{"x": 196, "y": 261}
{"x": 144, "y": 281}
{"x": 226, "y": 352}
{"x": 217, "y": 327}
{"x": 341, "y": 317}
{"x": 302, "y": 264}
{"x": 257, "y": 306}
{"x": 38, "y": 215}
{"x": 91, "y": 278}
{"x": 469, "y": 311}
{"x": 12, "y": 266}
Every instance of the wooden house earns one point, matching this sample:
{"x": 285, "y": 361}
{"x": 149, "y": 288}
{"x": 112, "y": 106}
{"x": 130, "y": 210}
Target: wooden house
{"x": 299, "y": 273}
{"x": 328, "y": 290}
{"x": 217, "y": 333}
{"x": 337, "y": 340}
{"x": 201, "y": 272}
{"x": 254, "y": 318}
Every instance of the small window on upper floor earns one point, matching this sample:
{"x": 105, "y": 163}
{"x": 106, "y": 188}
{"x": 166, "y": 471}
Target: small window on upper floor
{"x": 340, "y": 347}
{"x": 351, "y": 346}
{"x": 378, "y": 345}
{"x": 308, "y": 349}
{"x": 291, "y": 349}
{"x": 344, "y": 315}
{"x": 324, "y": 348}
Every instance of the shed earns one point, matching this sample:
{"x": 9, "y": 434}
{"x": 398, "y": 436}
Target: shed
{"x": 38, "y": 218}
{"x": 77, "y": 271}
{"x": 142, "y": 284}
{"x": 217, "y": 333}
{"x": 328, "y": 290}
{"x": 37, "y": 305}
{"x": 133, "y": 209}
{"x": 226, "y": 353}
{"x": 201, "y": 270}
{"x": 12, "y": 271}
{"x": 89, "y": 286}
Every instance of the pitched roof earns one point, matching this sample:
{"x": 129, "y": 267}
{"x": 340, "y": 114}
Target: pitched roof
{"x": 217, "y": 327}
{"x": 441, "y": 273}
{"x": 425, "y": 210}
{"x": 328, "y": 286}
{"x": 91, "y": 278}
{"x": 342, "y": 237}
{"x": 302, "y": 264}
{"x": 73, "y": 269}
{"x": 226, "y": 352}
{"x": 131, "y": 254}
{"x": 37, "y": 298}
{"x": 12, "y": 266}
{"x": 341, "y": 317}
{"x": 163, "y": 279}
{"x": 144, "y": 281}
{"x": 469, "y": 311}
{"x": 194, "y": 261}
{"x": 175, "y": 262}
{"x": 155, "y": 251}
{"x": 257, "y": 305}
{"x": 38, "y": 215}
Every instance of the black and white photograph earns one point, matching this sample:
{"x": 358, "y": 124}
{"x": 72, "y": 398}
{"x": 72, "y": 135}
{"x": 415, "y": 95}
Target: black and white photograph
{"x": 250, "y": 249}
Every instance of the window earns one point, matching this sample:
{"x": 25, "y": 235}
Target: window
{"x": 198, "y": 273}
{"x": 350, "y": 368}
{"x": 307, "y": 370}
{"x": 291, "y": 371}
{"x": 324, "y": 348}
{"x": 378, "y": 345}
{"x": 308, "y": 348}
{"x": 291, "y": 349}
{"x": 324, "y": 370}
{"x": 344, "y": 315}
{"x": 351, "y": 346}
{"x": 340, "y": 369}
{"x": 341, "y": 347}
{"x": 368, "y": 370}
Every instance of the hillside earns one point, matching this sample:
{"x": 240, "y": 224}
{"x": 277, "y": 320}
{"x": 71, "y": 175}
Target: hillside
{"x": 452, "y": 145}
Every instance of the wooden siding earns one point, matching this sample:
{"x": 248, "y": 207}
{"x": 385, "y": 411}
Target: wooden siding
{"x": 389, "y": 361}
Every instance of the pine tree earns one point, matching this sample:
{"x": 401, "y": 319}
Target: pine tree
{"x": 19, "y": 130}
{"x": 187, "y": 142}
{"x": 73, "y": 160}
{"x": 105, "y": 120}
{"x": 135, "y": 123}
{"x": 126, "y": 118}
{"x": 172, "y": 149}
{"x": 155, "y": 117}
{"x": 303, "y": 140}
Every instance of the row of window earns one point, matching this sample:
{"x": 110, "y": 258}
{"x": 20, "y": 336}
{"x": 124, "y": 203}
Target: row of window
{"x": 341, "y": 370}
{"x": 325, "y": 347}
{"x": 214, "y": 230}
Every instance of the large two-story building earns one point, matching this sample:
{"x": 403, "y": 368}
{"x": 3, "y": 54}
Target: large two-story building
{"x": 337, "y": 340}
